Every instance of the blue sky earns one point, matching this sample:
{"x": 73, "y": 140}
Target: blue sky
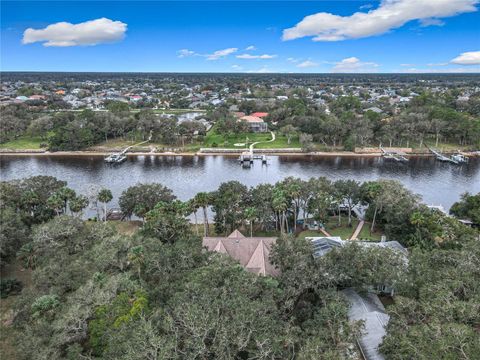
{"x": 183, "y": 36}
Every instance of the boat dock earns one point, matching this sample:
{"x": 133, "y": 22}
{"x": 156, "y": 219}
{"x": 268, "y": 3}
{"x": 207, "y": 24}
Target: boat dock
{"x": 456, "y": 159}
{"x": 394, "y": 155}
{"x": 120, "y": 157}
{"x": 247, "y": 157}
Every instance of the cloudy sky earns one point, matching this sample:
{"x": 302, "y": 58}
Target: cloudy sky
{"x": 241, "y": 36}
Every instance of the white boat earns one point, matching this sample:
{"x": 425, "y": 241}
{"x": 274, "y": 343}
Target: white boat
{"x": 459, "y": 158}
{"x": 115, "y": 158}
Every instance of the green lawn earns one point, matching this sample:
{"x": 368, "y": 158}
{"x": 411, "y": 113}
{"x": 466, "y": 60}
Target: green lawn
{"x": 365, "y": 233}
{"x": 23, "y": 143}
{"x": 344, "y": 231}
{"x": 224, "y": 141}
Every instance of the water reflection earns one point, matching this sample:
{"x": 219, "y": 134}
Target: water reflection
{"x": 438, "y": 183}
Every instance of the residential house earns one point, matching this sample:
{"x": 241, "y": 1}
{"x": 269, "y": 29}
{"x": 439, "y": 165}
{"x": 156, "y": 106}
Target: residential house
{"x": 255, "y": 123}
{"x": 251, "y": 252}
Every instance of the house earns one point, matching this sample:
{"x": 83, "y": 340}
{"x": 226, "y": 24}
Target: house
{"x": 260, "y": 114}
{"x": 371, "y": 312}
{"x": 251, "y": 252}
{"x": 255, "y": 123}
{"x": 323, "y": 245}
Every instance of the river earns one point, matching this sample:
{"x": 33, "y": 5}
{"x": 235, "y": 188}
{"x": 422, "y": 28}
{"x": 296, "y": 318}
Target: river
{"x": 438, "y": 183}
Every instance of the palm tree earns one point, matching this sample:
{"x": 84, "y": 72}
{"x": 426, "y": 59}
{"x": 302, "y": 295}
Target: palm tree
{"x": 78, "y": 203}
{"x": 202, "y": 199}
{"x": 251, "y": 215}
{"x": 104, "y": 196}
{"x": 279, "y": 206}
{"x": 55, "y": 202}
{"x": 193, "y": 208}
{"x": 66, "y": 194}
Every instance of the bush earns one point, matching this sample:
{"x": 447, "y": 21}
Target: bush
{"x": 45, "y": 304}
{"x": 214, "y": 144}
{"x": 10, "y": 287}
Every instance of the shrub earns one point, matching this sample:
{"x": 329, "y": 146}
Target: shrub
{"x": 10, "y": 287}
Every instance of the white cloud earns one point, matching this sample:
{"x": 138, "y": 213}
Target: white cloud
{"x": 475, "y": 69}
{"x": 437, "y": 64}
{"x": 467, "y": 58}
{"x": 221, "y": 53}
{"x": 353, "y": 65}
{"x": 251, "y": 47}
{"x": 185, "y": 53}
{"x": 237, "y": 67}
{"x": 391, "y": 14}
{"x": 410, "y": 65}
{"x": 307, "y": 64}
{"x": 263, "y": 70}
{"x": 293, "y": 60}
{"x": 249, "y": 56}
{"x": 64, "y": 34}
{"x": 431, "y": 22}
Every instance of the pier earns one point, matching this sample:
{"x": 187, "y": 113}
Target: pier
{"x": 456, "y": 159}
{"x": 120, "y": 157}
{"x": 247, "y": 157}
{"x": 394, "y": 155}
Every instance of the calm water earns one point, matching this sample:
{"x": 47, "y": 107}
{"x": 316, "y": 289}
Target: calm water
{"x": 437, "y": 183}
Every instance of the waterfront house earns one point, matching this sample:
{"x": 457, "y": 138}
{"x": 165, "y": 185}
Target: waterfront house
{"x": 251, "y": 252}
{"x": 255, "y": 123}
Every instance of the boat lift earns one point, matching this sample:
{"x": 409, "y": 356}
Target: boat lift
{"x": 456, "y": 159}
{"x": 394, "y": 155}
{"x": 120, "y": 157}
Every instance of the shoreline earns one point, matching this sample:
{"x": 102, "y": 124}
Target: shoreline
{"x": 219, "y": 153}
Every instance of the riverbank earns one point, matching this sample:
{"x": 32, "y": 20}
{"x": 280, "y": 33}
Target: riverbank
{"x": 215, "y": 152}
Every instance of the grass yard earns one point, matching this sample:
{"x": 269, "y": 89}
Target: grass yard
{"x": 344, "y": 231}
{"x": 365, "y": 233}
{"x": 225, "y": 141}
{"x": 23, "y": 143}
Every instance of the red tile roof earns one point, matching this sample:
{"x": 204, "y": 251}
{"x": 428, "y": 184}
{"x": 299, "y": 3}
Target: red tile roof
{"x": 260, "y": 114}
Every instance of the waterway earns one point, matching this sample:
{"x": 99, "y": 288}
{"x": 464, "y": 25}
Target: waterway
{"x": 438, "y": 183}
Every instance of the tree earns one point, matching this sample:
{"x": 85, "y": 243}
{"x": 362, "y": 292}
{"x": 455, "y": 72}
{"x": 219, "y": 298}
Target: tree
{"x": 468, "y": 207}
{"x": 138, "y": 200}
{"x": 289, "y": 131}
{"x": 349, "y": 193}
{"x": 203, "y": 199}
{"x": 250, "y": 216}
{"x": 228, "y": 203}
{"x": 105, "y": 196}
{"x": 167, "y": 221}
{"x": 306, "y": 141}
{"x": 78, "y": 203}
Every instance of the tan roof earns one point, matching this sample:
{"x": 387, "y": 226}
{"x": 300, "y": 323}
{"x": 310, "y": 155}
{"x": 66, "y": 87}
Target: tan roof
{"x": 251, "y": 252}
{"x": 251, "y": 119}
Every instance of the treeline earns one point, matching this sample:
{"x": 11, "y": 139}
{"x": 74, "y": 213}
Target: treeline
{"x": 426, "y": 117}
{"x": 79, "y": 130}
{"x": 284, "y": 207}
{"x": 98, "y": 294}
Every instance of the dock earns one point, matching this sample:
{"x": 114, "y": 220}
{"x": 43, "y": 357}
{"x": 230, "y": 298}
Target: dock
{"x": 120, "y": 157}
{"x": 394, "y": 155}
{"x": 456, "y": 159}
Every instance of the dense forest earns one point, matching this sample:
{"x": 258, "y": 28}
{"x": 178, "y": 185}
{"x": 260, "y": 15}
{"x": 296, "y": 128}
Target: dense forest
{"x": 98, "y": 293}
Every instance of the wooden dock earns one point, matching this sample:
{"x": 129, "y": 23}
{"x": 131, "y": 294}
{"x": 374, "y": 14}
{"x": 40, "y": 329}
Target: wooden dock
{"x": 394, "y": 155}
